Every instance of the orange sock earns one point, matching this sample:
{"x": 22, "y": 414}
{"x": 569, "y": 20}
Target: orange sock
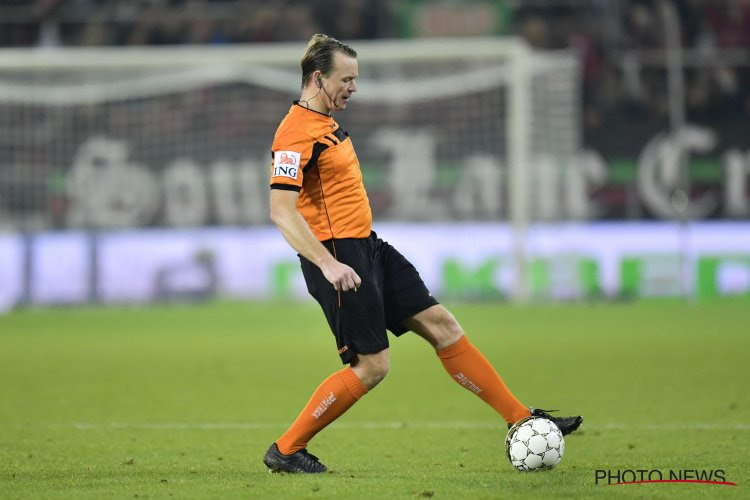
{"x": 469, "y": 368}
{"x": 330, "y": 400}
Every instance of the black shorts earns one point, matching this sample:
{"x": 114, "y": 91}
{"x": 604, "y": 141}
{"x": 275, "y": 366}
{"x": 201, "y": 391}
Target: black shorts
{"x": 391, "y": 291}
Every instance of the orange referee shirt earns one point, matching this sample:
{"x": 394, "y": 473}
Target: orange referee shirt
{"x": 313, "y": 155}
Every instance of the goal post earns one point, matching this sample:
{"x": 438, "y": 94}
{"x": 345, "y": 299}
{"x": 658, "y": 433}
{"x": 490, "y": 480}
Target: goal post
{"x": 477, "y": 129}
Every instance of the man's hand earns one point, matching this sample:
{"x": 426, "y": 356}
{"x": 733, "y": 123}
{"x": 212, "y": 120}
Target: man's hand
{"x": 296, "y": 231}
{"x": 341, "y": 276}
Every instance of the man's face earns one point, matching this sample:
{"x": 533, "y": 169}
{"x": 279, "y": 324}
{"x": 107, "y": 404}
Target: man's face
{"x": 341, "y": 83}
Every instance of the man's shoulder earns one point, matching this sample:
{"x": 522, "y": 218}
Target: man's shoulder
{"x": 296, "y": 124}
{"x": 293, "y": 124}
{"x": 296, "y": 130}
{"x": 291, "y": 131}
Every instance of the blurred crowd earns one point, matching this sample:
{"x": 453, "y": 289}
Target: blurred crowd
{"x": 620, "y": 42}
{"x": 167, "y": 22}
{"x": 545, "y": 23}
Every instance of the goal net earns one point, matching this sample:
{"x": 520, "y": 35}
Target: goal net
{"x": 445, "y": 129}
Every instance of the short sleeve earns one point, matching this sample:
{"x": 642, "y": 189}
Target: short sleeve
{"x": 290, "y": 153}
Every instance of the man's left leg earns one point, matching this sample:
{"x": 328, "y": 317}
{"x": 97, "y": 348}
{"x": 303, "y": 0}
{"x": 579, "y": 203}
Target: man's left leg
{"x": 469, "y": 368}
{"x": 464, "y": 362}
{"x": 406, "y": 296}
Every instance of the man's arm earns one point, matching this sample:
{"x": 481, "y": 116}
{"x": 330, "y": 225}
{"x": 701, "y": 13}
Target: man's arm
{"x": 298, "y": 234}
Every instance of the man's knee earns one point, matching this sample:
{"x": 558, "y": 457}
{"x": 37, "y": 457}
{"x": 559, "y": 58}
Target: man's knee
{"x": 450, "y": 325}
{"x": 444, "y": 328}
{"x": 372, "y": 368}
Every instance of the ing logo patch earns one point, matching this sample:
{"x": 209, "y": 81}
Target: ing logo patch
{"x": 286, "y": 164}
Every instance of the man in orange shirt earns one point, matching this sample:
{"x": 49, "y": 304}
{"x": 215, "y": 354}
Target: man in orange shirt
{"x": 362, "y": 283}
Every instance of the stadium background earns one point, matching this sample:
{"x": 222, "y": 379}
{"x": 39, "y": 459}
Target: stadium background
{"x": 129, "y": 180}
{"x": 195, "y": 158}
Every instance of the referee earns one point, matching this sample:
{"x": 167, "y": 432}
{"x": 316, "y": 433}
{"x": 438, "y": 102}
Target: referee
{"x": 363, "y": 284}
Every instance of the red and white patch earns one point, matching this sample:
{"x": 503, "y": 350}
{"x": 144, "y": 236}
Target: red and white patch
{"x": 286, "y": 164}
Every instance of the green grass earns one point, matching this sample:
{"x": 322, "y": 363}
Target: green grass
{"x": 183, "y": 401}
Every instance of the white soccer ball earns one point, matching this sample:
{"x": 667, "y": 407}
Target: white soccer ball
{"x": 534, "y": 443}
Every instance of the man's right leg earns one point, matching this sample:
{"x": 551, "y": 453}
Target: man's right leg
{"x": 358, "y": 324}
{"x": 330, "y": 400}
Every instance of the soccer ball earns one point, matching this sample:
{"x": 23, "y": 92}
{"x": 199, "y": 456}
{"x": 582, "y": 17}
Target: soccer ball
{"x": 534, "y": 443}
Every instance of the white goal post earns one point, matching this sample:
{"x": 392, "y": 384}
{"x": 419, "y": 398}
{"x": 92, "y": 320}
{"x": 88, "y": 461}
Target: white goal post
{"x": 446, "y": 129}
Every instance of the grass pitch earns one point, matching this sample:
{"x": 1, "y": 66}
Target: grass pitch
{"x": 182, "y": 401}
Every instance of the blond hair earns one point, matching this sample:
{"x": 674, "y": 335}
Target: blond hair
{"x": 319, "y": 56}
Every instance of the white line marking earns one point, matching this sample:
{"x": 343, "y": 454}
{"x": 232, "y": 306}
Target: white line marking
{"x": 221, "y": 426}
{"x": 697, "y": 426}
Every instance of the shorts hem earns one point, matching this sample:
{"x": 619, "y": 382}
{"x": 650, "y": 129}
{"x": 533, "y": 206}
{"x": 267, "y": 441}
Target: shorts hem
{"x": 401, "y": 329}
{"x": 348, "y": 355}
